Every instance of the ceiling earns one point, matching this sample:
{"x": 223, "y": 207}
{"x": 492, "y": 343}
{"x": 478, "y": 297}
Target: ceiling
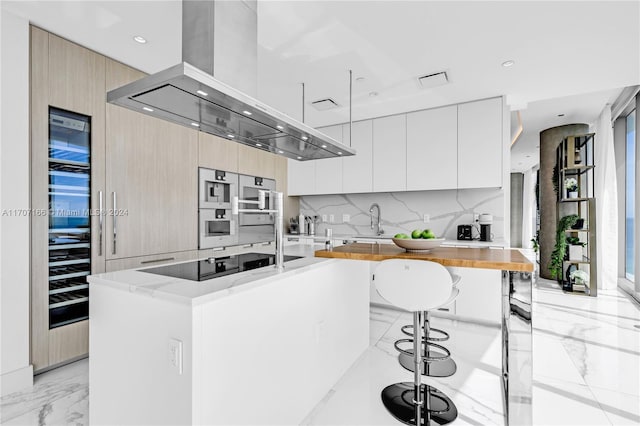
{"x": 570, "y": 57}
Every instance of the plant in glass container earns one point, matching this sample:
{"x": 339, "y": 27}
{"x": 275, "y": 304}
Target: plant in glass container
{"x": 579, "y": 276}
{"x": 571, "y": 184}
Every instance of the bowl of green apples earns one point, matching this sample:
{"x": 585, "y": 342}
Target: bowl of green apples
{"x": 419, "y": 240}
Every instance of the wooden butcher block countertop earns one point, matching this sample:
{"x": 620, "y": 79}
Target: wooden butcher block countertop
{"x": 484, "y": 258}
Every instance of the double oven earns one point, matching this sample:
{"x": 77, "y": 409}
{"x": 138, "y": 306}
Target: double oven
{"x": 217, "y": 227}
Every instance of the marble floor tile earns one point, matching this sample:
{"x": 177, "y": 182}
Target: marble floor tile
{"x": 586, "y": 360}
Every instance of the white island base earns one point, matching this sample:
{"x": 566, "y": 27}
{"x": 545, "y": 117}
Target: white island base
{"x": 265, "y": 350}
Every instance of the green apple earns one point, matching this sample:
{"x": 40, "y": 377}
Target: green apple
{"x": 428, "y": 234}
{"x": 401, "y": 236}
{"x": 416, "y": 234}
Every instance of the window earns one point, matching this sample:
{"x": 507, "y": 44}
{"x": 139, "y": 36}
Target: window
{"x": 630, "y": 174}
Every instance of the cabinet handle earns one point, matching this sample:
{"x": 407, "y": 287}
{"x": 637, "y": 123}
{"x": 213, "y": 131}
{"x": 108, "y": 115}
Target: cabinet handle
{"x": 166, "y": 259}
{"x": 100, "y": 223}
{"x": 115, "y": 223}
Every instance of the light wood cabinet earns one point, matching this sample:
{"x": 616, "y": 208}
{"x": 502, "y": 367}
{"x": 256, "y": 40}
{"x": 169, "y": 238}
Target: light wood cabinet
{"x": 480, "y": 144}
{"x": 432, "y": 149}
{"x": 150, "y": 261}
{"x": 390, "y": 153}
{"x": 328, "y": 173}
{"x": 68, "y": 77}
{"x": 217, "y": 153}
{"x": 357, "y": 170}
{"x": 152, "y": 180}
{"x": 254, "y": 162}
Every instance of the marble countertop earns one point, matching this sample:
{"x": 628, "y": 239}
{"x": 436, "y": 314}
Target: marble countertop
{"x": 197, "y": 292}
{"x": 484, "y": 258}
{"x": 386, "y": 239}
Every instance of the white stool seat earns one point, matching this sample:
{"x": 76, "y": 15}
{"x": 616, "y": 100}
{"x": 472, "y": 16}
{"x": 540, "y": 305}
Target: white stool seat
{"x": 415, "y": 285}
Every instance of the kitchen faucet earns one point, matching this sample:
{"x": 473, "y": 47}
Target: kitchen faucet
{"x": 380, "y": 230}
{"x": 279, "y": 211}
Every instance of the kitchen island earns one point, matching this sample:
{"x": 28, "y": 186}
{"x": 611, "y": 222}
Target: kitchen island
{"x": 515, "y": 284}
{"x": 253, "y": 347}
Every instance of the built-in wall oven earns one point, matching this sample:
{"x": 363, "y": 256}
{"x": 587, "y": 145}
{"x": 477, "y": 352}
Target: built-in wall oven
{"x": 216, "y": 225}
{"x": 249, "y": 187}
{"x": 256, "y": 227}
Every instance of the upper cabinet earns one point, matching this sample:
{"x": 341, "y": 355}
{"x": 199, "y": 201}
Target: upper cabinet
{"x": 357, "y": 170}
{"x": 390, "y": 153}
{"x": 480, "y": 145}
{"x": 457, "y": 146}
{"x": 255, "y": 162}
{"x": 432, "y": 149}
{"x": 328, "y": 173}
{"x": 217, "y": 153}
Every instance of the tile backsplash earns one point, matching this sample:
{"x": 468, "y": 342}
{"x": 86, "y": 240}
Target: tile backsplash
{"x": 404, "y": 211}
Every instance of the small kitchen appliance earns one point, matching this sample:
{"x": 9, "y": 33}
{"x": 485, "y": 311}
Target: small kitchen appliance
{"x": 464, "y": 232}
{"x": 485, "y": 220}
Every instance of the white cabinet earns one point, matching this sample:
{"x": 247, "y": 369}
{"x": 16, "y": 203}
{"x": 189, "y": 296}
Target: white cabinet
{"x": 480, "y": 295}
{"x": 480, "y": 145}
{"x": 357, "y": 170}
{"x": 328, "y": 174}
{"x": 432, "y": 149}
{"x": 390, "y": 153}
{"x": 301, "y": 177}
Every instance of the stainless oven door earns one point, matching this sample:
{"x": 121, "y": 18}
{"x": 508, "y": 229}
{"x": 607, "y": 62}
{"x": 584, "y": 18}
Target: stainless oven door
{"x": 249, "y": 187}
{"x": 216, "y": 228}
{"x": 216, "y": 188}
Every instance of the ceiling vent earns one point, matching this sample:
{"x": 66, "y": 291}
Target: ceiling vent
{"x": 433, "y": 80}
{"x": 324, "y": 104}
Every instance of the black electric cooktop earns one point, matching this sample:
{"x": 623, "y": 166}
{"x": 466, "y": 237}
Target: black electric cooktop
{"x": 202, "y": 270}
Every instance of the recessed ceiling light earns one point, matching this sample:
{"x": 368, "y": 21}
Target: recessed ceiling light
{"x": 508, "y": 63}
{"x": 140, "y": 39}
{"x": 147, "y": 109}
{"x": 245, "y": 112}
{"x": 258, "y": 144}
{"x": 304, "y": 138}
{"x": 280, "y": 152}
{"x": 200, "y": 92}
{"x": 560, "y": 115}
{"x": 299, "y": 158}
{"x": 230, "y": 136}
{"x": 279, "y": 127}
{"x": 195, "y": 124}
{"x": 373, "y": 94}
{"x": 324, "y": 146}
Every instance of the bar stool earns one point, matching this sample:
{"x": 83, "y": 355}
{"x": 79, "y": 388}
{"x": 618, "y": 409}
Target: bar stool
{"x": 436, "y": 362}
{"x": 417, "y": 286}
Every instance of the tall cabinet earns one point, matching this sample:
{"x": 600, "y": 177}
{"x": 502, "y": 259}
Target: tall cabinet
{"x": 67, "y": 178}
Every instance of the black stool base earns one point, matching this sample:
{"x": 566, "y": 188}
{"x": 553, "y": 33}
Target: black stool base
{"x": 398, "y": 400}
{"x": 444, "y": 368}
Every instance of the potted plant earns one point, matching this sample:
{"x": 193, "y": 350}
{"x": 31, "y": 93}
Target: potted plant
{"x": 558, "y": 253}
{"x": 571, "y": 184}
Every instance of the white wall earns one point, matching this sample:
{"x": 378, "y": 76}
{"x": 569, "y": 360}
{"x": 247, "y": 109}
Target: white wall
{"x": 16, "y": 372}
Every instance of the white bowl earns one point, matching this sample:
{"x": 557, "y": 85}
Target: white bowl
{"x": 418, "y": 244}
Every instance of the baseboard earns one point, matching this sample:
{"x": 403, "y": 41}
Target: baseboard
{"x": 16, "y": 380}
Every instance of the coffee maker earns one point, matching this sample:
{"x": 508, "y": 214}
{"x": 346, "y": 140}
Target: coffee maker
{"x": 485, "y": 220}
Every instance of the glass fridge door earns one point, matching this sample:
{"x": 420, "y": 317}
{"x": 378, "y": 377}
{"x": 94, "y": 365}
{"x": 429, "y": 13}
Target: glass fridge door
{"x": 69, "y": 216}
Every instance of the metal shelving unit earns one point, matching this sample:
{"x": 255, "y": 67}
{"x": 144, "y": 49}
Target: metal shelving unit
{"x": 575, "y": 160}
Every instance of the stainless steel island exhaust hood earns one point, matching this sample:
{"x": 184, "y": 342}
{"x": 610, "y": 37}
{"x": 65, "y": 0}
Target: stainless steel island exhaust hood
{"x": 189, "y": 94}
